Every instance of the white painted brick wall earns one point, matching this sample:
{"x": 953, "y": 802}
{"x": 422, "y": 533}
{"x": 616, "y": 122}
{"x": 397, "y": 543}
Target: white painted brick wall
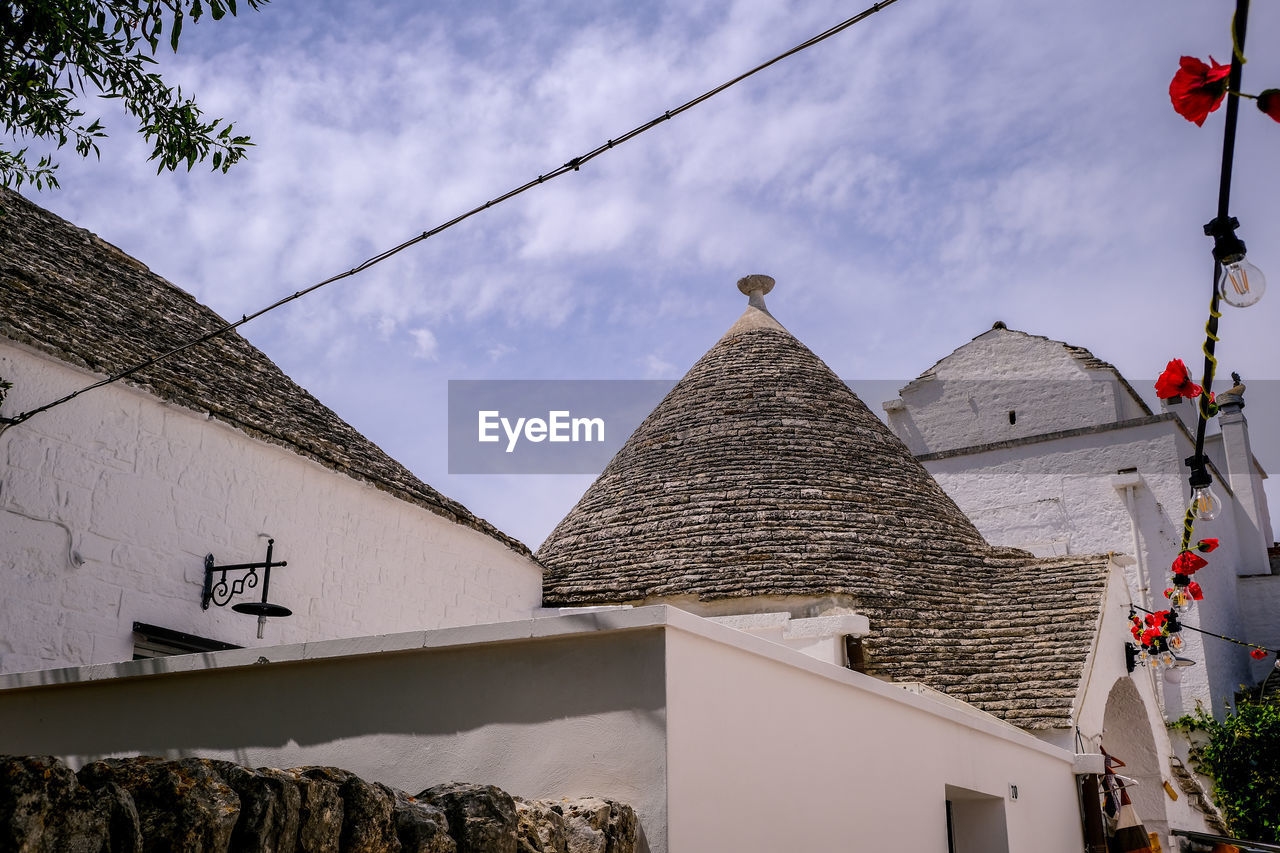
{"x": 108, "y": 505}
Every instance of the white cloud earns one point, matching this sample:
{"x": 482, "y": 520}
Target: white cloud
{"x": 907, "y": 182}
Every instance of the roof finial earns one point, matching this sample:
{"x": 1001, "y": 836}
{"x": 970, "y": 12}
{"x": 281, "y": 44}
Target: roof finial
{"x": 755, "y": 287}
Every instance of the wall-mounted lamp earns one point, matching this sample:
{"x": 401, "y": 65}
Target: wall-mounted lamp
{"x": 221, "y": 592}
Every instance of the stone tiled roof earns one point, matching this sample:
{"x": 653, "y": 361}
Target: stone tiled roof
{"x": 762, "y": 474}
{"x": 72, "y": 295}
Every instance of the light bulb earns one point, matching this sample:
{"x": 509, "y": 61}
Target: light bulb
{"x": 1176, "y": 643}
{"x": 1181, "y": 600}
{"x": 1241, "y": 283}
{"x": 1205, "y": 505}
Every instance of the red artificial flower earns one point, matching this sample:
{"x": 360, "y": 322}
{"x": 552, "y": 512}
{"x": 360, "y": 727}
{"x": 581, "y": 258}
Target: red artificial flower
{"x": 1269, "y": 102}
{"x": 1168, "y": 593}
{"x": 1207, "y": 545}
{"x": 1136, "y": 630}
{"x": 1196, "y": 593}
{"x": 1149, "y": 636}
{"x": 1258, "y": 654}
{"x": 1188, "y": 563}
{"x": 1176, "y": 382}
{"x": 1198, "y": 89}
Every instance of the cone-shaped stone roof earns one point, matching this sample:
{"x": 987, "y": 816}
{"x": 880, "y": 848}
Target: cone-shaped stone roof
{"x": 762, "y": 474}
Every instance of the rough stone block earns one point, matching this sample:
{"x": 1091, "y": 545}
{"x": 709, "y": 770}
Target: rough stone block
{"x": 44, "y": 808}
{"x": 270, "y": 808}
{"x": 182, "y": 805}
{"x": 420, "y": 826}
{"x": 541, "y": 827}
{"x": 482, "y": 818}
{"x": 599, "y": 826}
{"x": 366, "y": 811}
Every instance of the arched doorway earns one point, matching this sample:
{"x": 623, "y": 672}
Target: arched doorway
{"x": 1126, "y": 735}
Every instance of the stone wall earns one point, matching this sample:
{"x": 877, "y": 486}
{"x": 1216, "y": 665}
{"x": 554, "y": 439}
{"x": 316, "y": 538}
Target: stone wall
{"x": 141, "y": 805}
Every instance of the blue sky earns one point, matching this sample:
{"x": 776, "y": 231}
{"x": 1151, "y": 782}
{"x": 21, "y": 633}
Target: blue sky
{"x": 936, "y": 168}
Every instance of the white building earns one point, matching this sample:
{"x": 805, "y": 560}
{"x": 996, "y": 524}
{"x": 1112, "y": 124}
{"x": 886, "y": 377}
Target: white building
{"x": 1048, "y": 448}
{"x": 938, "y": 691}
{"x": 109, "y": 504}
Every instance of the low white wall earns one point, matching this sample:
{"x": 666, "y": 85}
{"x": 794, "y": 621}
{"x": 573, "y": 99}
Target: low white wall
{"x": 720, "y": 740}
{"x": 109, "y": 504}
{"x": 770, "y": 753}
{"x": 577, "y": 713}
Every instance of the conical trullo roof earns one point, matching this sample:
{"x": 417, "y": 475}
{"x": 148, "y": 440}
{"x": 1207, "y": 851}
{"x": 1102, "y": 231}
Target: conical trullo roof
{"x": 762, "y": 474}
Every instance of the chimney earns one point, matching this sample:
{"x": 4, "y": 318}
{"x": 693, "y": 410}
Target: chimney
{"x": 1253, "y": 521}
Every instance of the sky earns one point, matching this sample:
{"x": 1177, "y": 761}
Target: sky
{"x": 907, "y": 183}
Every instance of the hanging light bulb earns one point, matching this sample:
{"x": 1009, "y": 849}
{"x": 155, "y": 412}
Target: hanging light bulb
{"x": 1205, "y": 503}
{"x": 1176, "y": 643}
{"x": 1241, "y": 283}
{"x": 1180, "y": 600}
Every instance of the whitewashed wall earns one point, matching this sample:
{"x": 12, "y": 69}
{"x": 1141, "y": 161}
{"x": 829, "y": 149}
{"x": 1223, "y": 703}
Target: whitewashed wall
{"x": 1060, "y": 497}
{"x": 1260, "y": 608}
{"x": 852, "y": 763}
{"x": 968, "y": 399}
{"x": 109, "y": 504}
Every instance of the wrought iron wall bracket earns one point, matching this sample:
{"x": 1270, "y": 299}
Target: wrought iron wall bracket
{"x": 222, "y": 591}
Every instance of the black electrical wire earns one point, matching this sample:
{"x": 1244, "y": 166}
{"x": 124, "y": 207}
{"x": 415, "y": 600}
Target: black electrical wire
{"x": 1239, "y": 24}
{"x": 1186, "y": 627}
{"x": 571, "y": 166}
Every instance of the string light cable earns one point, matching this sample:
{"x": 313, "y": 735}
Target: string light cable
{"x": 1186, "y": 627}
{"x": 572, "y": 165}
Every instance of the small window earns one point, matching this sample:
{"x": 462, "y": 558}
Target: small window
{"x": 975, "y": 822}
{"x": 1013, "y": 417}
{"x": 152, "y": 641}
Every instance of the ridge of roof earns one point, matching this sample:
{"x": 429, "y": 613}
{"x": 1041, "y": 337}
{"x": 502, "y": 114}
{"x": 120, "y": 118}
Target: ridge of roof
{"x": 73, "y": 296}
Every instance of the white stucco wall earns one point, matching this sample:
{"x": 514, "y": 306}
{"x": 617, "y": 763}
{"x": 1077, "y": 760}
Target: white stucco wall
{"x": 1059, "y": 497}
{"x": 109, "y": 504}
{"x": 1260, "y": 611}
{"x": 972, "y": 392}
{"x": 852, "y": 762}
{"x": 729, "y": 741}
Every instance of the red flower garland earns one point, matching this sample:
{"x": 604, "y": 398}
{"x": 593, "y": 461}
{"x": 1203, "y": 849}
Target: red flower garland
{"x": 1188, "y": 563}
{"x": 1197, "y": 89}
{"x": 1269, "y": 102}
{"x": 1176, "y": 382}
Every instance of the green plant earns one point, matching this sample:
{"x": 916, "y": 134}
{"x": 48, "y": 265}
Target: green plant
{"x": 56, "y": 55}
{"x": 1242, "y": 756}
